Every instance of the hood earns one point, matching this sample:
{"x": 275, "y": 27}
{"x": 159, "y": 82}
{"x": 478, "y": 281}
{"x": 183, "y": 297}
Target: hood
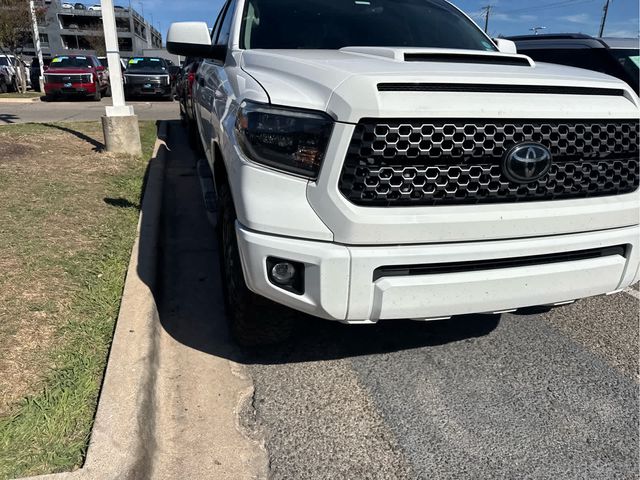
{"x": 148, "y": 73}
{"x": 69, "y": 70}
{"x": 345, "y": 83}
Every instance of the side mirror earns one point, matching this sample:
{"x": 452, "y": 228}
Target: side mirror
{"x": 192, "y": 39}
{"x": 506, "y": 46}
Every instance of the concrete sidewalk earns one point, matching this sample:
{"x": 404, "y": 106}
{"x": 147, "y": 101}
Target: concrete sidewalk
{"x": 168, "y": 410}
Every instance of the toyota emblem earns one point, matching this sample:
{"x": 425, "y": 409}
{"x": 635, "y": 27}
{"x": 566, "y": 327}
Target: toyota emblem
{"x": 526, "y": 162}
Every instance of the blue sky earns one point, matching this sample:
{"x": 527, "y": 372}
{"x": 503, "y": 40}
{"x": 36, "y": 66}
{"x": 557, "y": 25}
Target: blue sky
{"x": 509, "y": 17}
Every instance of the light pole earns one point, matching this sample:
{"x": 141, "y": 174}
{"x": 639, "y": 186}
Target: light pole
{"x": 36, "y": 42}
{"x": 605, "y": 10}
{"x": 120, "y": 124}
{"x": 487, "y": 11}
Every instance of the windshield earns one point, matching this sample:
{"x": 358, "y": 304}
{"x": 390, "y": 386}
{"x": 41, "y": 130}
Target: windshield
{"x": 71, "y": 62}
{"x": 629, "y": 59}
{"x": 4, "y": 62}
{"x": 333, "y": 24}
{"x": 153, "y": 64}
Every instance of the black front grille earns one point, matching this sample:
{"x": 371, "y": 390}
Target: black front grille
{"x": 64, "y": 78}
{"x": 404, "y": 163}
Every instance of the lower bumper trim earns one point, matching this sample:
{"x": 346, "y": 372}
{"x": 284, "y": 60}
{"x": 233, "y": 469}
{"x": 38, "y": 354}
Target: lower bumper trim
{"x": 493, "y": 264}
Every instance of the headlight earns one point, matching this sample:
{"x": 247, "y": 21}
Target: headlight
{"x": 286, "y": 139}
{"x": 88, "y": 78}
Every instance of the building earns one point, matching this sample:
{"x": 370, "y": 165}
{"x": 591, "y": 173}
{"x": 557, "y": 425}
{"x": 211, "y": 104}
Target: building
{"x": 78, "y": 30}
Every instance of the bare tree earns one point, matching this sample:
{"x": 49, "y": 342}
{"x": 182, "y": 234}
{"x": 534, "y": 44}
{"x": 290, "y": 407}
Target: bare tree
{"x": 97, "y": 44}
{"x": 16, "y": 32}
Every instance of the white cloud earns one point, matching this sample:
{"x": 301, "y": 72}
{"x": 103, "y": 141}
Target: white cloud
{"x": 622, "y": 33}
{"x": 578, "y": 18}
{"x": 505, "y": 17}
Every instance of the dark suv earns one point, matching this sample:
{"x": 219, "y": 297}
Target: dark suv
{"x": 76, "y": 75}
{"x": 34, "y": 72}
{"x": 617, "y": 57}
{"x": 148, "y": 76}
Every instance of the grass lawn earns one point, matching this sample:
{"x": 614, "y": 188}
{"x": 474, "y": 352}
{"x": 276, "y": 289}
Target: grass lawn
{"x": 68, "y": 217}
{"x": 21, "y": 95}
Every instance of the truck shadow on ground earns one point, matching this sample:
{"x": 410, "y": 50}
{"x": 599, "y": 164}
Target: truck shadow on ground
{"x": 191, "y": 306}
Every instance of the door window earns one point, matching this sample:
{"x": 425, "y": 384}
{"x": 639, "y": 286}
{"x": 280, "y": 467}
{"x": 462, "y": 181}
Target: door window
{"x": 224, "y": 34}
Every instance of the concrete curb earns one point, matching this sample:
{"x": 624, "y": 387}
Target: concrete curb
{"x": 121, "y": 442}
{"x": 20, "y": 100}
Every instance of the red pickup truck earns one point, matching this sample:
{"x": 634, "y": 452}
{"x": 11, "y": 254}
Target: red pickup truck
{"x": 76, "y": 75}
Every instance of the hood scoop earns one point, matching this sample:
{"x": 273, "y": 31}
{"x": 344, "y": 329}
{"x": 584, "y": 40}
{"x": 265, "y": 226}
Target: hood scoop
{"x": 443, "y": 55}
{"x": 494, "y": 59}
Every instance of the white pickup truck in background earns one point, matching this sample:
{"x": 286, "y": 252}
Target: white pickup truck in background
{"x": 380, "y": 159}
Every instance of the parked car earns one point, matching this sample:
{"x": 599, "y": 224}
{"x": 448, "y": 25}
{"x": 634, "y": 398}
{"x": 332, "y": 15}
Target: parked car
{"x": 34, "y": 72}
{"x": 104, "y": 62}
{"x": 148, "y": 76}
{"x": 27, "y": 67}
{"x": 174, "y": 70}
{"x": 66, "y": 6}
{"x": 80, "y": 6}
{"x": 184, "y": 92}
{"x": 4, "y": 85}
{"x": 618, "y": 57}
{"x": 95, "y": 8}
{"x": 76, "y": 75}
{"x": 8, "y": 67}
{"x": 399, "y": 163}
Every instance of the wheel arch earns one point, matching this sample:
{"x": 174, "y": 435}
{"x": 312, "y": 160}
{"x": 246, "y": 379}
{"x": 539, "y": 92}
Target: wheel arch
{"x": 220, "y": 176}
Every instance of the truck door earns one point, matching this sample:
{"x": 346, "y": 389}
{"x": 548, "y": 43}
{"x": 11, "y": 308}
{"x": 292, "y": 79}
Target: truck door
{"x": 208, "y": 82}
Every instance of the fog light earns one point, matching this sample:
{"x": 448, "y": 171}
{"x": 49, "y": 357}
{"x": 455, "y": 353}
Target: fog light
{"x": 286, "y": 274}
{"x": 283, "y": 273}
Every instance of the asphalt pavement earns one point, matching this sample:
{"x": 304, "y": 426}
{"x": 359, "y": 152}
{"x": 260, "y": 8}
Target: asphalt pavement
{"x": 537, "y": 396}
{"x": 81, "y": 110}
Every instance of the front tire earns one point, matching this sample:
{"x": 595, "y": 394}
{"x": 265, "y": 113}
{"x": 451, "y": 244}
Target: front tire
{"x": 253, "y": 320}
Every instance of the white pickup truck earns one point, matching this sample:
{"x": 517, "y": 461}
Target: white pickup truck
{"x": 385, "y": 159}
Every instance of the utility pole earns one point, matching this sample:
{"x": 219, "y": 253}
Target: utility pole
{"x": 120, "y": 124}
{"x": 36, "y": 42}
{"x": 605, "y": 10}
{"x": 487, "y": 11}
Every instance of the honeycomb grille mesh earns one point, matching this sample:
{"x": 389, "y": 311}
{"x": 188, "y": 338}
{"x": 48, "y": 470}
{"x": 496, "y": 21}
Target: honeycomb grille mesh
{"x": 405, "y": 163}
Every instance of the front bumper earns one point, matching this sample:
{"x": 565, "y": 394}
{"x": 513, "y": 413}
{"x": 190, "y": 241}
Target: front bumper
{"x": 340, "y": 283}
{"x": 135, "y": 89}
{"x": 72, "y": 89}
